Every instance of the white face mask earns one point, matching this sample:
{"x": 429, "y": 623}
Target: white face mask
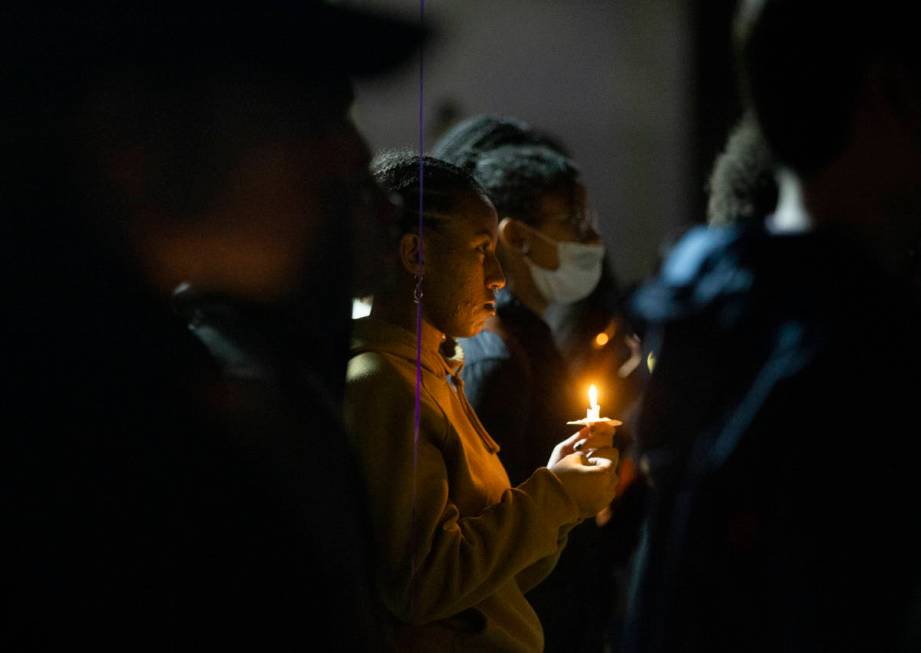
{"x": 577, "y": 275}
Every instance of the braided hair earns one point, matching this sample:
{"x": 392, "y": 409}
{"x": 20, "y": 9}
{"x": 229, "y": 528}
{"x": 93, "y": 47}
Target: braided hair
{"x": 518, "y": 177}
{"x": 466, "y": 142}
{"x": 443, "y": 185}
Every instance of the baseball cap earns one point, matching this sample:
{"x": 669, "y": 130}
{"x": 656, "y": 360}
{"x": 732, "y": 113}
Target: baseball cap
{"x": 309, "y": 37}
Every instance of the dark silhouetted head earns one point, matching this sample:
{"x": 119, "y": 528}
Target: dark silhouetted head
{"x": 806, "y": 64}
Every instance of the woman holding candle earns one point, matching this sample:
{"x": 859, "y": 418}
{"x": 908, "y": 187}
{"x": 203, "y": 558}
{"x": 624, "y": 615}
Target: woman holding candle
{"x": 518, "y": 381}
{"x": 457, "y": 545}
{"x": 552, "y": 256}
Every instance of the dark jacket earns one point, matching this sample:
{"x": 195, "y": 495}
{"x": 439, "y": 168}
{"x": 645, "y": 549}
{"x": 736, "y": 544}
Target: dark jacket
{"x": 779, "y": 434}
{"x": 150, "y": 502}
{"x": 279, "y": 403}
{"x": 520, "y": 386}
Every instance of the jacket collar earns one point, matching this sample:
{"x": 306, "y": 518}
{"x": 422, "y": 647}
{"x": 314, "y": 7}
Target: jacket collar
{"x": 369, "y": 334}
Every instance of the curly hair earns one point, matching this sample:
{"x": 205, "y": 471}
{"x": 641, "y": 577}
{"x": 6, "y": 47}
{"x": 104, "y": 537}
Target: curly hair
{"x": 442, "y": 186}
{"x": 466, "y": 142}
{"x": 742, "y": 185}
{"x": 518, "y": 177}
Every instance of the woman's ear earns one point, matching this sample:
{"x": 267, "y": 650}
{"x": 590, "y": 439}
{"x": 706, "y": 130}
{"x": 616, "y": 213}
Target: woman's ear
{"x": 513, "y": 237}
{"x": 409, "y": 253}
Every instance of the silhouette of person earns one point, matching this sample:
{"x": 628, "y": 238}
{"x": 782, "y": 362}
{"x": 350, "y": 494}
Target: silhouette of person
{"x": 158, "y": 496}
{"x": 777, "y": 518}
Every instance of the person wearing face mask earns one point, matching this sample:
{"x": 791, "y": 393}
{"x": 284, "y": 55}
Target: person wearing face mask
{"x": 516, "y": 378}
{"x": 457, "y": 545}
{"x": 577, "y": 272}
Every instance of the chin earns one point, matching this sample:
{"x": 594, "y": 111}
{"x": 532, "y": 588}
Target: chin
{"x": 474, "y": 331}
{"x": 469, "y": 330}
{"x": 479, "y": 326}
{"x": 470, "y": 325}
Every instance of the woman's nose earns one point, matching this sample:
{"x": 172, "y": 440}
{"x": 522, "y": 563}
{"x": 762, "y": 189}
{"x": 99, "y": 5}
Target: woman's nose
{"x": 495, "y": 278}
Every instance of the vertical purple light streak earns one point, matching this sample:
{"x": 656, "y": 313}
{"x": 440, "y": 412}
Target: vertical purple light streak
{"x": 418, "y": 298}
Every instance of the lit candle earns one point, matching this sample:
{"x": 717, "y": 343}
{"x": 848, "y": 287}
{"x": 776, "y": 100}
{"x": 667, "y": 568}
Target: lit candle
{"x": 594, "y": 410}
{"x": 593, "y": 414}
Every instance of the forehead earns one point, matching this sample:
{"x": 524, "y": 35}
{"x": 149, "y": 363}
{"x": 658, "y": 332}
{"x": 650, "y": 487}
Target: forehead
{"x": 561, "y": 204}
{"x": 472, "y": 215}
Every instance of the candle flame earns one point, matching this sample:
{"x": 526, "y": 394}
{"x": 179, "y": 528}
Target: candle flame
{"x": 593, "y": 396}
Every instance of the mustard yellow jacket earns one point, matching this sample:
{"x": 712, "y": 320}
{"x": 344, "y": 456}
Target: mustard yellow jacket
{"x": 457, "y": 546}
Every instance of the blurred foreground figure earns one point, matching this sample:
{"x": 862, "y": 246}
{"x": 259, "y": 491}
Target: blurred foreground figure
{"x": 742, "y": 187}
{"x": 778, "y": 436}
{"x": 158, "y": 495}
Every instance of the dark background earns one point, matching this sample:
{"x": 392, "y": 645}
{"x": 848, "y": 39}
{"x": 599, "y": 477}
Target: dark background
{"x": 642, "y": 91}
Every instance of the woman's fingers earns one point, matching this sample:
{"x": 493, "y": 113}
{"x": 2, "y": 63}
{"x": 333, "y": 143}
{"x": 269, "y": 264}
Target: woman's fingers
{"x": 609, "y": 455}
{"x": 599, "y": 435}
{"x": 568, "y": 446}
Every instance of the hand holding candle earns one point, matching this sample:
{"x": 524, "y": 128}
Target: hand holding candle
{"x": 595, "y": 442}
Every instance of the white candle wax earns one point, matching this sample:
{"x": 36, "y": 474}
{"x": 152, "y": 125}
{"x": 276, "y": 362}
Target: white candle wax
{"x": 594, "y": 410}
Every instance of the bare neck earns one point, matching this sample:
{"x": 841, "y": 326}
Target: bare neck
{"x": 791, "y": 215}
{"x": 398, "y": 309}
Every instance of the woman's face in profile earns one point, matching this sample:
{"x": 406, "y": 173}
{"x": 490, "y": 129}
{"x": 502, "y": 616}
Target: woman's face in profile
{"x": 462, "y": 273}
